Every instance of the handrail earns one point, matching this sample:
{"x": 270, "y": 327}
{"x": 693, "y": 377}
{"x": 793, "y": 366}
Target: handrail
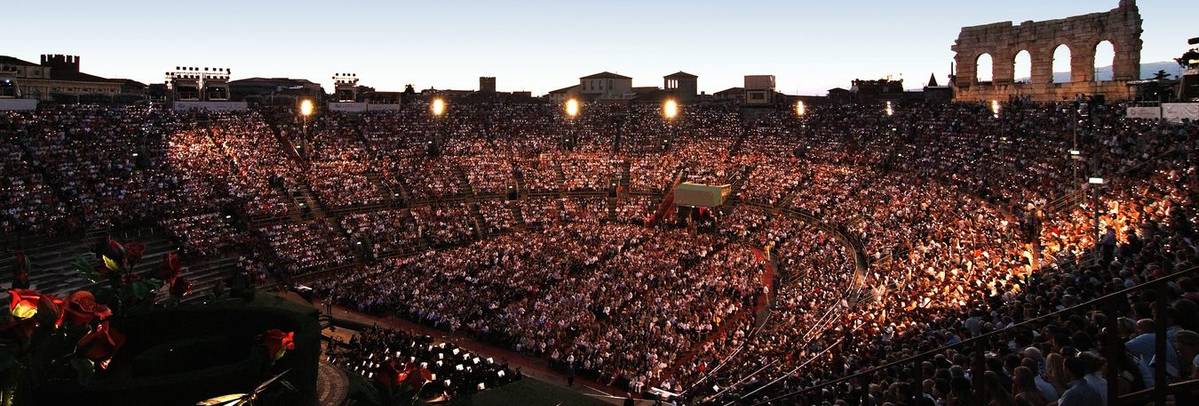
{"x": 860, "y": 265}
{"x": 1143, "y": 395}
{"x": 987, "y": 336}
{"x": 1066, "y": 199}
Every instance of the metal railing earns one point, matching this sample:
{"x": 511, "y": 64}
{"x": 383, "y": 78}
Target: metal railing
{"x": 1114, "y": 350}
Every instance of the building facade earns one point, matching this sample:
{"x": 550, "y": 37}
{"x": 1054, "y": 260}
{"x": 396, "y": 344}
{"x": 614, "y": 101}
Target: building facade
{"x": 59, "y": 76}
{"x": 606, "y": 86}
{"x": 682, "y": 86}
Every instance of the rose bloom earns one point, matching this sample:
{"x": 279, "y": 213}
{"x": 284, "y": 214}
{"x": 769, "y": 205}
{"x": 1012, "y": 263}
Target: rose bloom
{"x": 278, "y": 342}
{"x": 23, "y": 303}
{"x": 101, "y": 343}
{"x": 83, "y": 309}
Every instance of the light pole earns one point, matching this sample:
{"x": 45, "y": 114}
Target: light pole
{"x": 438, "y": 108}
{"x": 306, "y": 110}
{"x": 572, "y": 110}
{"x": 1094, "y": 183}
{"x": 670, "y": 111}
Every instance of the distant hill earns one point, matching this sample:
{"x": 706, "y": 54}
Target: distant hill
{"x": 1147, "y": 71}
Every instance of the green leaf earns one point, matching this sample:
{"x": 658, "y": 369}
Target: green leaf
{"x": 85, "y": 268}
{"x": 153, "y": 283}
{"x": 140, "y": 290}
{"x": 84, "y": 368}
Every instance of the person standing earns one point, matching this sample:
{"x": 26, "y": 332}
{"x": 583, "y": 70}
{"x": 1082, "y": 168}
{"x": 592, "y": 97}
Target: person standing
{"x": 1079, "y": 392}
{"x": 570, "y": 374}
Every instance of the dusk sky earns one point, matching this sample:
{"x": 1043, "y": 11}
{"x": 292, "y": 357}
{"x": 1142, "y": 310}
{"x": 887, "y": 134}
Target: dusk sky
{"x": 535, "y": 45}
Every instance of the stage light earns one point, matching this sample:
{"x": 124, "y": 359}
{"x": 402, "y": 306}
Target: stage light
{"x": 1095, "y": 181}
{"x": 670, "y": 109}
{"x": 889, "y": 110}
{"x": 995, "y": 108}
{"x": 437, "y": 107}
{"x": 800, "y": 108}
{"x": 1075, "y": 152}
{"x": 572, "y": 108}
{"x": 306, "y": 107}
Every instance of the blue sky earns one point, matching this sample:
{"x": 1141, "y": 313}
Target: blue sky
{"x": 810, "y": 46}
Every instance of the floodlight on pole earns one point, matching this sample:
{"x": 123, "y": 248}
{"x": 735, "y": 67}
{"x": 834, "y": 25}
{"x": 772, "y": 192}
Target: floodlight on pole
{"x": 572, "y": 108}
{"x": 306, "y": 107}
{"x": 437, "y": 107}
{"x": 670, "y": 109}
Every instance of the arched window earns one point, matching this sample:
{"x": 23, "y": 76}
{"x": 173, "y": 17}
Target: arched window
{"x": 984, "y": 68}
{"x": 1105, "y": 61}
{"x": 1023, "y": 67}
{"x": 1061, "y": 64}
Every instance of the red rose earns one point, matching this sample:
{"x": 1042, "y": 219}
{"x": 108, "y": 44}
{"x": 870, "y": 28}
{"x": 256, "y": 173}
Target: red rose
{"x": 23, "y": 303}
{"x": 114, "y": 248}
{"x": 134, "y": 252}
{"x": 50, "y": 311}
{"x": 83, "y": 309}
{"x": 180, "y": 287}
{"x": 170, "y": 268}
{"x": 113, "y": 255}
{"x": 101, "y": 343}
{"x": 278, "y": 342}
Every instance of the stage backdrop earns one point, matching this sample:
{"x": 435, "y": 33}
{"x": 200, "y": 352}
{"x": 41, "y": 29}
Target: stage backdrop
{"x": 697, "y": 195}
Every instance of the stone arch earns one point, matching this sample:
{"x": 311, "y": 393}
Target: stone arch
{"x": 1062, "y": 58}
{"x": 1022, "y": 66}
{"x": 1105, "y": 57}
{"x": 1005, "y": 41}
{"x": 984, "y": 68}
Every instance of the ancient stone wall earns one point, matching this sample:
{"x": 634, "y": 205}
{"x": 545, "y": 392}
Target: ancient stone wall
{"x": 1003, "y": 41}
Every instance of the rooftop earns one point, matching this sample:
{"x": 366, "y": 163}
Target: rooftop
{"x": 8, "y": 60}
{"x": 605, "y": 75}
{"x": 680, "y": 75}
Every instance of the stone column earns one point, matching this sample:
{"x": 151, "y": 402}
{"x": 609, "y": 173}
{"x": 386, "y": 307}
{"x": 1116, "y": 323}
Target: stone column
{"x": 1004, "y": 61}
{"x": 1127, "y": 65}
{"x": 966, "y": 67}
{"x": 1082, "y": 61}
{"x": 1042, "y": 63}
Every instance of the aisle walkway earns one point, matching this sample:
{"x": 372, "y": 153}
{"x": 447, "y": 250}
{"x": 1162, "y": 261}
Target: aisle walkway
{"x": 759, "y": 307}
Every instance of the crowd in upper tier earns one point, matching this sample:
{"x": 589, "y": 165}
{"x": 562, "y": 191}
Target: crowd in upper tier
{"x": 851, "y": 236}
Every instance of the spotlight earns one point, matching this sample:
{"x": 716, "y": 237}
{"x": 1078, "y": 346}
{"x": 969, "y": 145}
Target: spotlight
{"x": 670, "y": 109}
{"x": 572, "y": 108}
{"x": 306, "y": 107}
{"x": 437, "y": 107}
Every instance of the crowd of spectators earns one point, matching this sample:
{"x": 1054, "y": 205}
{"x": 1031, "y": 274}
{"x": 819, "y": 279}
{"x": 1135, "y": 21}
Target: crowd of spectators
{"x": 889, "y": 234}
